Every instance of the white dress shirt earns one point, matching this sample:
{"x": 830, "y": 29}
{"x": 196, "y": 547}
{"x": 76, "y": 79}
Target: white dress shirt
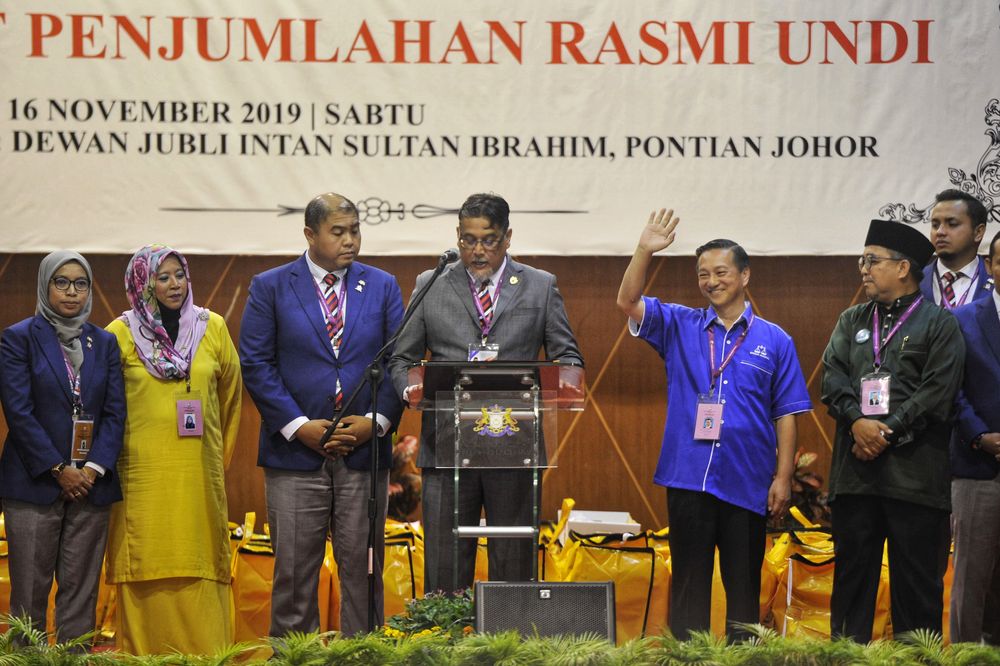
{"x": 319, "y": 275}
{"x": 962, "y": 285}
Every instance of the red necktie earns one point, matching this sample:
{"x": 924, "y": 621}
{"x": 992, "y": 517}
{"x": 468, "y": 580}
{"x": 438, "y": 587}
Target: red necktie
{"x": 949, "y": 289}
{"x": 485, "y": 302}
{"x": 334, "y": 325}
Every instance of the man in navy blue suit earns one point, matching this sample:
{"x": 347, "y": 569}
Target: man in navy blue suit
{"x": 958, "y": 275}
{"x": 975, "y": 452}
{"x": 310, "y": 329}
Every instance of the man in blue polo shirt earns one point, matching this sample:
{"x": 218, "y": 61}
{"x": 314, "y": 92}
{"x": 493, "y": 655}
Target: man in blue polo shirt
{"x": 735, "y": 384}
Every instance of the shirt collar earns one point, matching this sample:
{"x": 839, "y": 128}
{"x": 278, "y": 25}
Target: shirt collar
{"x": 494, "y": 278}
{"x": 900, "y": 303}
{"x": 711, "y": 317}
{"x": 319, "y": 273}
{"x": 967, "y": 270}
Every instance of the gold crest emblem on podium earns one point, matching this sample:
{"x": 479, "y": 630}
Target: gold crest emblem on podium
{"x": 496, "y": 422}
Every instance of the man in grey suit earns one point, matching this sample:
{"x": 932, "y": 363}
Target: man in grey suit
{"x": 487, "y": 307}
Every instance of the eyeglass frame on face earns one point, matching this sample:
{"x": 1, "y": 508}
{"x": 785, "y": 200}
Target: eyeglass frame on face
{"x": 489, "y": 243}
{"x": 866, "y": 261}
{"x": 81, "y": 285}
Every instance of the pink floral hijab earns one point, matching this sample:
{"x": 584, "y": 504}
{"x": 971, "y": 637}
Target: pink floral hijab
{"x": 163, "y": 358}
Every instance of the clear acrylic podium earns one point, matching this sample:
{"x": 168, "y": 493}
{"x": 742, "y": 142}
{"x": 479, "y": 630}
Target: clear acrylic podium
{"x": 497, "y": 414}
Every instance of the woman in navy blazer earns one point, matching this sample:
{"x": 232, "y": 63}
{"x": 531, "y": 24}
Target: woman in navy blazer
{"x": 57, "y": 474}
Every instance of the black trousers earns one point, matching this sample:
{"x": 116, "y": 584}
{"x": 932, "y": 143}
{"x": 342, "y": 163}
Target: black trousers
{"x": 700, "y": 522}
{"x": 504, "y": 495}
{"x": 918, "y": 536}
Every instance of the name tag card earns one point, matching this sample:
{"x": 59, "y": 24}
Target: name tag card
{"x": 874, "y": 396}
{"x": 189, "y": 416}
{"x": 484, "y": 352}
{"x": 708, "y": 418}
{"x": 83, "y": 437}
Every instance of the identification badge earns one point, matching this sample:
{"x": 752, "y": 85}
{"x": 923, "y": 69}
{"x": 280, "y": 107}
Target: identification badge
{"x": 874, "y": 396}
{"x": 708, "y": 418}
{"x": 484, "y": 352}
{"x": 83, "y": 437}
{"x": 189, "y": 419}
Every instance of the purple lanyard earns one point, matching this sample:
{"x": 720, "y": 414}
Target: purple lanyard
{"x": 877, "y": 343}
{"x": 483, "y": 324}
{"x": 74, "y": 385}
{"x": 716, "y": 372}
{"x": 341, "y": 302}
{"x": 944, "y": 302}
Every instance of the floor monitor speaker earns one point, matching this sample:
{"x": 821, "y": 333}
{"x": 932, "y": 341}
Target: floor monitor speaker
{"x": 548, "y": 609}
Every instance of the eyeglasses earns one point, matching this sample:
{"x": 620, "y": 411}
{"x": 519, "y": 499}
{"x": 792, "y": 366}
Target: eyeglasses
{"x": 865, "y": 262}
{"x": 470, "y": 242}
{"x": 82, "y": 285}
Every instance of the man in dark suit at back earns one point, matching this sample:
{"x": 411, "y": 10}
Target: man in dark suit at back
{"x": 486, "y": 307}
{"x": 975, "y": 452}
{"x": 957, "y": 276}
{"x": 310, "y": 330}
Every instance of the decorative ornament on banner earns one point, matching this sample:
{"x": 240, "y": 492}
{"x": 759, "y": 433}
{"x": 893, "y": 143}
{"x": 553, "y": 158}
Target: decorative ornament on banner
{"x": 371, "y": 210}
{"x": 984, "y": 184}
{"x": 782, "y": 125}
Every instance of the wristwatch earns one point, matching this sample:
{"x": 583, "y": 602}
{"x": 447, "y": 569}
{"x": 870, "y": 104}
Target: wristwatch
{"x": 58, "y": 469}
{"x": 977, "y": 441}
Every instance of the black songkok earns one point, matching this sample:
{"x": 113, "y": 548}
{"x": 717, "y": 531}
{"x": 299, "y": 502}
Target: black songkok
{"x": 901, "y": 238}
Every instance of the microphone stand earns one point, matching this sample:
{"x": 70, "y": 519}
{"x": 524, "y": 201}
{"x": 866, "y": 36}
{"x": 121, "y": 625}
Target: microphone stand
{"x": 373, "y": 376}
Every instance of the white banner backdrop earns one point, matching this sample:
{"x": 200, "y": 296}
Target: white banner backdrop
{"x": 209, "y": 125}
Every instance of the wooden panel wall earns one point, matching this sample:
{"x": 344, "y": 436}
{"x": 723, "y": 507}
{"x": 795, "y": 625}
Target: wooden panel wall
{"x": 609, "y": 450}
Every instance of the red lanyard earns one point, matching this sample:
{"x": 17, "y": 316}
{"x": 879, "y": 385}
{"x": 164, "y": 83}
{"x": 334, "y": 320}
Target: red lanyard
{"x": 716, "y": 372}
{"x": 877, "y": 343}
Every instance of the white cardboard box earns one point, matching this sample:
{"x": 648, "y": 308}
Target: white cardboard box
{"x": 599, "y": 522}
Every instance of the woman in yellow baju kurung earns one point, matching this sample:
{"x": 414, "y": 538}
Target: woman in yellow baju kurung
{"x": 168, "y": 548}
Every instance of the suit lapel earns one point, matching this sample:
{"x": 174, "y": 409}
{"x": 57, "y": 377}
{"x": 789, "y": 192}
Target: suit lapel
{"x": 989, "y": 323}
{"x": 927, "y": 284}
{"x": 89, "y": 365}
{"x": 458, "y": 278}
{"x": 510, "y": 284}
{"x": 47, "y": 340}
{"x": 985, "y": 286}
{"x": 305, "y": 291}
{"x": 356, "y": 295}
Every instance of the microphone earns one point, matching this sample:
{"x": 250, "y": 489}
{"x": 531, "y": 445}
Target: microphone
{"x": 448, "y": 256}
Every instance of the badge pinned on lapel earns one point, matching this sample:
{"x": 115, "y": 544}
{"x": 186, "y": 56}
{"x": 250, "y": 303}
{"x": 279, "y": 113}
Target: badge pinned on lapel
{"x": 360, "y": 286}
{"x": 862, "y": 336}
{"x": 90, "y": 342}
{"x": 514, "y": 279}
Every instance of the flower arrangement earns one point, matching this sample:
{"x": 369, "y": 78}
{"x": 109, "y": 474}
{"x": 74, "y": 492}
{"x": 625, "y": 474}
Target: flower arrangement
{"x": 438, "y": 613}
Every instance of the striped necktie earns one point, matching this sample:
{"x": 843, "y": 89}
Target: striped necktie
{"x": 485, "y": 301}
{"x": 334, "y": 326}
{"x": 949, "y": 289}
{"x": 335, "y": 323}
